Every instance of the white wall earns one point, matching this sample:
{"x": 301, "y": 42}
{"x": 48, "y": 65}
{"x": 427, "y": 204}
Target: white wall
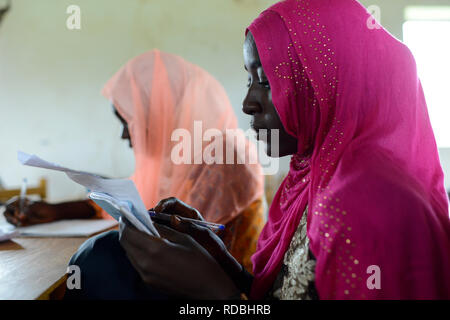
{"x": 50, "y": 77}
{"x": 392, "y": 18}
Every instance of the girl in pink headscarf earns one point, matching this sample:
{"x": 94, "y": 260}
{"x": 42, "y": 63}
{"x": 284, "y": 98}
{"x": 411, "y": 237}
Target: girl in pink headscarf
{"x": 363, "y": 213}
{"x": 366, "y": 173}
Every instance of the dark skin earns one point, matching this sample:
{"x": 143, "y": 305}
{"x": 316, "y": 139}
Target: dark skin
{"x": 125, "y": 132}
{"x": 36, "y": 212}
{"x": 201, "y": 245}
{"x": 182, "y": 250}
{"x": 258, "y": 104}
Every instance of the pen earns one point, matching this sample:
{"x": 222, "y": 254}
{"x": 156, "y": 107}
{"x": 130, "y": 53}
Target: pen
{"x": 166, "y": 218}
{"x": 23, "y": 193}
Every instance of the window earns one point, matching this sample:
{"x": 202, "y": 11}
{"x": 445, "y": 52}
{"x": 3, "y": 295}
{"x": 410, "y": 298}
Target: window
{"x": 427, "y": 33}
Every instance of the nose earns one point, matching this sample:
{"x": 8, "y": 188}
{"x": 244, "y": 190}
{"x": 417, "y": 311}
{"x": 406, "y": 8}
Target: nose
{"x": 250, "y": 105}
{"x": 125, "y": 133}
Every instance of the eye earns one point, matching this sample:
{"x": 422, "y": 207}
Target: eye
{"x": 265, "y": 84}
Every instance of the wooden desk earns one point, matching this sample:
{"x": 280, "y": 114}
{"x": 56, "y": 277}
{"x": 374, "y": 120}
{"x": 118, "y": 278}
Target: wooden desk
{"x": 32, "y": 268}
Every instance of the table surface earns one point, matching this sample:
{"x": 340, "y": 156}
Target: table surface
{"x": 30, "y": 268}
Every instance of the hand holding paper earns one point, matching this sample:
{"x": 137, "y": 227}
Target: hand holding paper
{"x": 115, "y": 191}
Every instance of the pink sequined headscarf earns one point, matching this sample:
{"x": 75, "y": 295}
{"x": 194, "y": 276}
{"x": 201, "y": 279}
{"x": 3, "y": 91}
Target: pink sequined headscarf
{"x": 373, "y": 185}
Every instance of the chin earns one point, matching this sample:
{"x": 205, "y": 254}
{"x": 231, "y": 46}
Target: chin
{"x": 281, "y": 153}
{"x": 270, "y": 153}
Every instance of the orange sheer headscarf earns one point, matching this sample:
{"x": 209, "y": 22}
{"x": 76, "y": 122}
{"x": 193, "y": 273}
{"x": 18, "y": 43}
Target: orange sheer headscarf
{"x": 157, "y": 93}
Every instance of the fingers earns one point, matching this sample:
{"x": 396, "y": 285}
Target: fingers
{"x": 12, "y": 205}
{"x": 12, "y": 201}
{"x": 210, "y": 242}
{"x": 132, "y": 237}
{"x": 194, "y": 230}
{"x": 149, "y": 255}
{"x": 157, "y": 282}
{"x": 151, "y": 274}
{"x": 173, "y": 235}
{"x": 11, "y": 218}
{"x": 14, "y": 216}
{"x": 201, "y": 235}
{"x": 175, "y": 206}
{"x": 14, "y": 210}
{"x": 143, "y": 260}
{"x": 175, "y": 259}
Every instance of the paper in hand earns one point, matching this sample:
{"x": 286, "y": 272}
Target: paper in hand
{"x": 122, "y": 190}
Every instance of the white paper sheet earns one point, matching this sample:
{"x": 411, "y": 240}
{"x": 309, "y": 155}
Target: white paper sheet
{"x": 7, "y": 233}
{"x": 67, "y": 228}
{"x": 120, "y": 189}
{"x": 115, "y": 208}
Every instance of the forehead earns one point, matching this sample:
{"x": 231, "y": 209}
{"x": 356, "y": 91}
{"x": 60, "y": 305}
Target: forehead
{"x": 251, "y": 56}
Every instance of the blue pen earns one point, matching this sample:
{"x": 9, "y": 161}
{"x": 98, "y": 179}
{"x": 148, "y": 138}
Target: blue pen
{"x": 166, "y": 218}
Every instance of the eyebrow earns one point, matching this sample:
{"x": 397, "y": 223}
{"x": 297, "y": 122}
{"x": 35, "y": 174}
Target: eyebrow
{"x": 254, "y": 65}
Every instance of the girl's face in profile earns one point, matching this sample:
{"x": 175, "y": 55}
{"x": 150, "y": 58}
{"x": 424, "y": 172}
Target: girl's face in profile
{"x": 258, "y": 103}
{"x": 125, "y": 132}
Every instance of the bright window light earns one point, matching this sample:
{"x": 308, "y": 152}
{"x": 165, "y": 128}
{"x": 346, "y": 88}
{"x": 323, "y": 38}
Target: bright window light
{"x": 426, "y": 32}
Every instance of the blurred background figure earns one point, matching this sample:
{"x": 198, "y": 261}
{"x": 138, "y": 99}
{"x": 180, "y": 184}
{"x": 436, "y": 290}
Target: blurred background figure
{"x": 153, "y": 95}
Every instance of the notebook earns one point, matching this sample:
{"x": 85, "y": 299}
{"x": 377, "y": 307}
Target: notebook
{"x": 67, "y": 228}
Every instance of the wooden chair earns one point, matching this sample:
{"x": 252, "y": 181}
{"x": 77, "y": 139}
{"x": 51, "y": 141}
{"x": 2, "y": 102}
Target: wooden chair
{"x": 40, "y": 190}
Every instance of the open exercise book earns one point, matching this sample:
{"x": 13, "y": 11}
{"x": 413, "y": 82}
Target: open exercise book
{"x": 118, "y": 197}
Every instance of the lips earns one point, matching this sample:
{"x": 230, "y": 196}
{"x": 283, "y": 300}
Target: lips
{"x": 256, "y": 127}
